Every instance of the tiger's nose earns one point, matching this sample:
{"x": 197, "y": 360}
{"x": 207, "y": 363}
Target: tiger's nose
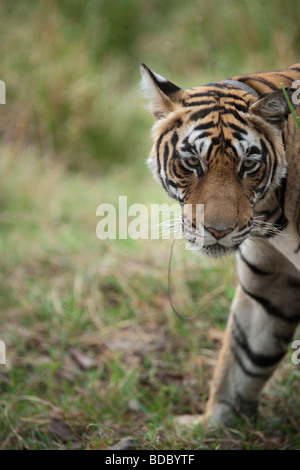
{"x": 218, "y": 234}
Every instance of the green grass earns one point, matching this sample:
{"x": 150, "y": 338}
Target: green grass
{"x": 62, "y": 288}
{"x": 76, "y": 96}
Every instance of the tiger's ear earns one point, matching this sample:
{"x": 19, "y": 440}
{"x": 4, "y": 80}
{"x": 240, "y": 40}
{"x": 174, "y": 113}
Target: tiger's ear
{"x": 273, "y": 107}
{"x": 162, "y": 94}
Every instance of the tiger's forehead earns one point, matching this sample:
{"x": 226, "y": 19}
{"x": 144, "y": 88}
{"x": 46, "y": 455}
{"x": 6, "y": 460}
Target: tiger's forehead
{"x": 219, "y": 92}
{"x": 205, "y": 136}
{"x": 215, "y": 103}
{"x": 215, "y": 118}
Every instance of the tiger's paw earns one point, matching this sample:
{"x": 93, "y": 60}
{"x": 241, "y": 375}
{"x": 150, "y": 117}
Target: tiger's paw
{"x": 190, "y": 421}
{"x": 215, "y": 417}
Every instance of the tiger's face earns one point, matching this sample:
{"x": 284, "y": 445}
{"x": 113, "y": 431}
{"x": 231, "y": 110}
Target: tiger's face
{"x": 219, "y": 146}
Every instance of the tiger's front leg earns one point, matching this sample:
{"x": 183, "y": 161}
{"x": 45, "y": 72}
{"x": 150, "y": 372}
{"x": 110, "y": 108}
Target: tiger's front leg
{"x": 262, "y": 321}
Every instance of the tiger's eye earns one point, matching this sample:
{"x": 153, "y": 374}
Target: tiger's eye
{"x": 248, "y": 164}
{"x": 193, "y": 161}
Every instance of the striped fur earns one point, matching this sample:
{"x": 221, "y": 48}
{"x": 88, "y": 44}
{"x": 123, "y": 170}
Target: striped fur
{"x": 233, "y": 146}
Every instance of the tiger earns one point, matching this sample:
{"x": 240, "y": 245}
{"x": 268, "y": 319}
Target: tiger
{"x": 233, "y": 146}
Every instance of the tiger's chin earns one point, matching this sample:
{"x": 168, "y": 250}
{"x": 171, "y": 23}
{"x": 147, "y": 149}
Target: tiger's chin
{"x": 216, "y": 250}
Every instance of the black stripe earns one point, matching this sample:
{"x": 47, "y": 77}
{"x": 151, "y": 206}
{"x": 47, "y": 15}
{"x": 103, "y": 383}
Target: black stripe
{"x": 176, "y": 174}
{"x": 178, "y": 123}
{"x": 253, "y": 149}
{"x": 186, "y": 146}
{"x": 264, "y": 148}
{"x": 205, "y": 125}
{"x": 284, "y": 76}
{"x": 228, "y": 145}
{"x": 253, "y": 268}
{"x": 265, "y": 155}
{"x": 240, "y": 234}
{"x": 271, "y": 309}
{"x": 239, "y": 129}
{"x": 247, "y": 371}
{"x": 159, "y": 141}
{"x": 229, "y": 95}
{"x": 238, "y": 136}
{"x": 209, "y": 151}
{"x": 283, "y": 140}
{"x": 158, "y": 144}
{"x": 274, "y": 154}
{"x": 201, "y": 94}
{"x": 198, "y": 103}
{"x": 260, "y": 80}
{"x": 239, "y": 107}
{"x": 235, "y": 98}
{"x": 166, "y": 156}
{"x": 171, "y": 183}
{"x": 204, "y": 134}
{"x": 174, "y": 140}
{"x": 259, "y": 360}
{"x": 202, "y": 113}
{"x": 237, "y": 116}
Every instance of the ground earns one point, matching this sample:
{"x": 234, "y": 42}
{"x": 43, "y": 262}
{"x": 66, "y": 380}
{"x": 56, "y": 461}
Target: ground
{"x": 96, "y": 357}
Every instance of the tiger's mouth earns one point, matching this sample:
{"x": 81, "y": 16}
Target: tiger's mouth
{"x": 215, "y": 250}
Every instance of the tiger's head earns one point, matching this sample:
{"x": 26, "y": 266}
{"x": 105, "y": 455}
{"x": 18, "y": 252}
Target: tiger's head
{"x": 218, "y": 145}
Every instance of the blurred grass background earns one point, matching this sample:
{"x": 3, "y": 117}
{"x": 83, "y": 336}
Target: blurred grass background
{"x": 74, "y": 134}
{"x": 72, "y": 67}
